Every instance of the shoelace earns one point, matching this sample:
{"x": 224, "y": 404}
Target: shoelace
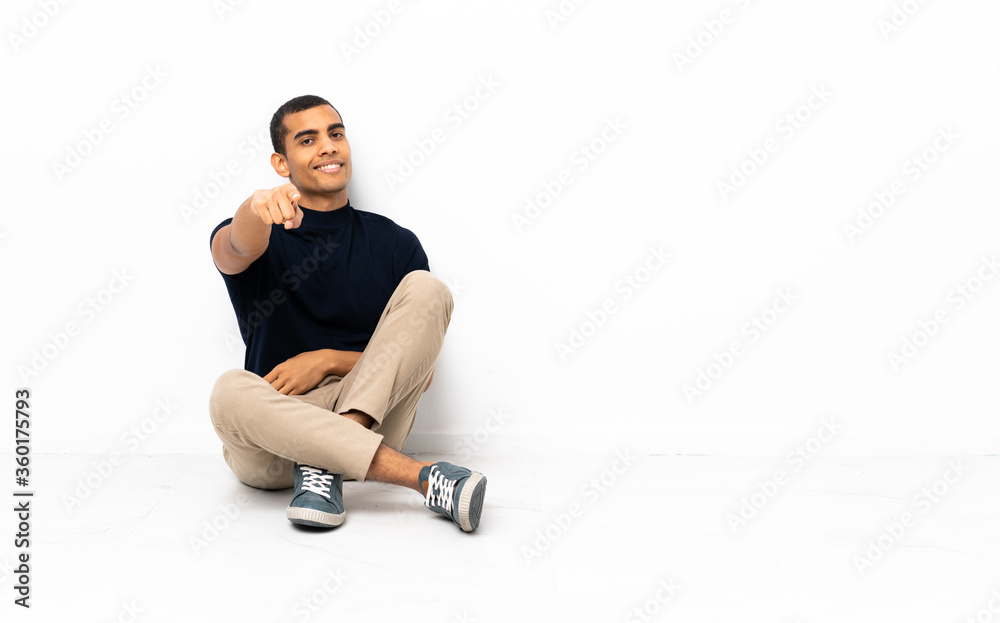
{"x": 440, "y": 489}
{"x": 316, "y": 480}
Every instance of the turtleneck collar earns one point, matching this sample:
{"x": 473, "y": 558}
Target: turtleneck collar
{"x": 315, "y": 219}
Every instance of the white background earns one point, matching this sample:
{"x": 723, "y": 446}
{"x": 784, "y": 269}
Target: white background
{"x": 522, "y": 288}
{"x": 698, "y": 90}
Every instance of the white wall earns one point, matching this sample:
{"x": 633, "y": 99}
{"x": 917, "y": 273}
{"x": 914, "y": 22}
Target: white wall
{"x": 214, "y": 79}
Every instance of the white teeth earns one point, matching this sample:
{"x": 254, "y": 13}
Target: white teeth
{"x": 329, "y": 167}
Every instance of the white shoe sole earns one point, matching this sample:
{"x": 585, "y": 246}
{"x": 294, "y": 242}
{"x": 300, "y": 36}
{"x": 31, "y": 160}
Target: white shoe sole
{"x": 313, "y": 517}
{"x": 470, "y": 506}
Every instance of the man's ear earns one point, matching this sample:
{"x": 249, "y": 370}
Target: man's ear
{"x": 280, "y": 164}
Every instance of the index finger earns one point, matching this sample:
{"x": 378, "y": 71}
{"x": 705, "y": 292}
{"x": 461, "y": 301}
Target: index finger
{"x": 284, "y": 207}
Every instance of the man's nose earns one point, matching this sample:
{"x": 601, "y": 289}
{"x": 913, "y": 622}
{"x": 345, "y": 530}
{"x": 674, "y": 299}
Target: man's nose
{"x": 327, "y": 146}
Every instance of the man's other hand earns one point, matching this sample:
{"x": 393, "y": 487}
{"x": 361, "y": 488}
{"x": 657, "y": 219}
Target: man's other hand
{"x": 300, "y": 373}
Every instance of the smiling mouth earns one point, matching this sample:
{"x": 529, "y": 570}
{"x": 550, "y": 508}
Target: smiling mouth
{"x": 329, "y": 168}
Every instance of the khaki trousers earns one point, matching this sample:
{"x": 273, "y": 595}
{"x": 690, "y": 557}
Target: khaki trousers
{"x": 264, "y": 433}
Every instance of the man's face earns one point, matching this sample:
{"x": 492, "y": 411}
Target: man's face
{"x": 318, "y": 156}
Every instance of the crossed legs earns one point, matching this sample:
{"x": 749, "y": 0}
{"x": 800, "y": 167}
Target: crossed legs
{"x": 355, "y": 425}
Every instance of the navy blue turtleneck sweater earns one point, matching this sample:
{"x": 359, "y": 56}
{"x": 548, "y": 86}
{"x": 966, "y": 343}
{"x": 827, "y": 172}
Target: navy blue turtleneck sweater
{"x": 321, "y": 285}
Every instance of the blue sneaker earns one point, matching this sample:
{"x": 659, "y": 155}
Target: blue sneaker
{"x": 455, "y": 492}
{"x": 318, "y": 499}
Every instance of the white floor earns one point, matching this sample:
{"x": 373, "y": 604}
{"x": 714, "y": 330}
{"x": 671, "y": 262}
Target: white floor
{"x": 178, "y": 538}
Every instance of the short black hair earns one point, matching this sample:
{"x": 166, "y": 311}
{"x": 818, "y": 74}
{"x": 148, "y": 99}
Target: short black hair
{"x": 297, "y": 104}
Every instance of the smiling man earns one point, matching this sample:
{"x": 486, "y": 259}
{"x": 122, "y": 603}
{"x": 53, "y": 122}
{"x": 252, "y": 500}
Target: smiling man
{"x": 343, "y": 323}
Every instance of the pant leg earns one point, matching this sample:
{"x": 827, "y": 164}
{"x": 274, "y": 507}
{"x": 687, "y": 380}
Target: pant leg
{"x": 390, "y": 377}
{"x": 264, "y": 432}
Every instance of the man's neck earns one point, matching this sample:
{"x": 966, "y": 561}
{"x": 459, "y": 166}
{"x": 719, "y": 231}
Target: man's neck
{"x": 326, "y": 202}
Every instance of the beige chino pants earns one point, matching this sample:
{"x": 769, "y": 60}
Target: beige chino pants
{"x": 264, "y": 433}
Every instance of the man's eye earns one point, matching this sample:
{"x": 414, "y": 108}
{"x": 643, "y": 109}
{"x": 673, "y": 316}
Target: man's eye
{"x": 306, "y": 141}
